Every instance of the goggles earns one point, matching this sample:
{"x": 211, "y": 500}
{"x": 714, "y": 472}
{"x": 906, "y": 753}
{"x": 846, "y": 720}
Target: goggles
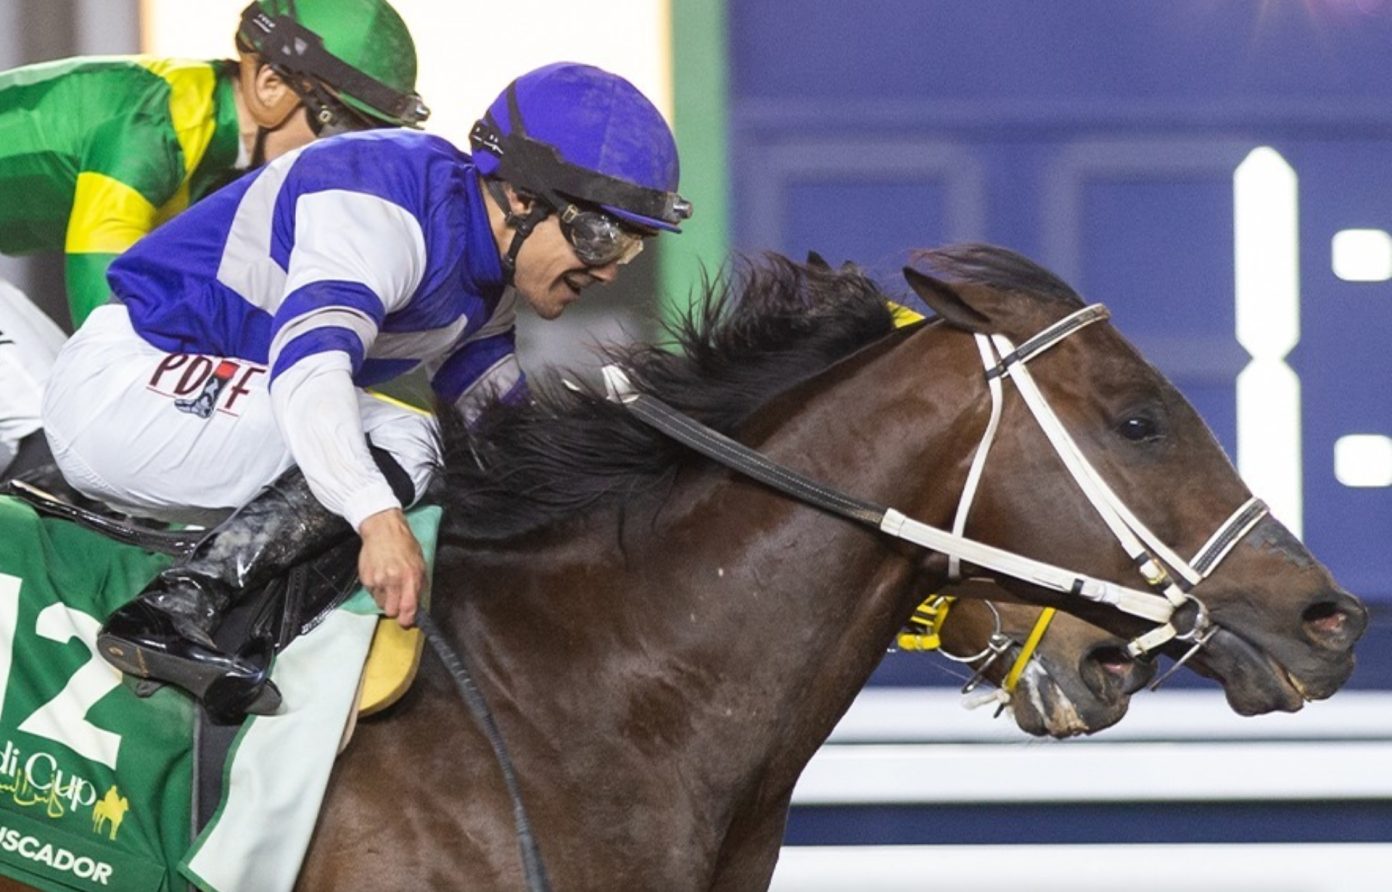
{"x": 598, "y": 238}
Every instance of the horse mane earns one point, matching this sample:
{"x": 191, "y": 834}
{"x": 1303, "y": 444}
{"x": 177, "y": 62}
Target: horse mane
{"x": 750, "y": 335}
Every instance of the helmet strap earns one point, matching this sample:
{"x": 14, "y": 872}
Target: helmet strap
{"x": 268, "y": 115}
{"x": 268, "y": 92}
{"x": 522, "y": 224}
{"x": 327, "y": 115}
{"x": 258, "y": 150}
{"x": 264, "y": 131}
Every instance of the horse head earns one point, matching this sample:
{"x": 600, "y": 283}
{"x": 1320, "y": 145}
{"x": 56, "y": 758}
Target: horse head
{"x": 1274, "y": 627}
{"x": 1076, "y": 679}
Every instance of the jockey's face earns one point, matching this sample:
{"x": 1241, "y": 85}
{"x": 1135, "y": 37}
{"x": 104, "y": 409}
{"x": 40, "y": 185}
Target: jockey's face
{"x": 549, "y": 276}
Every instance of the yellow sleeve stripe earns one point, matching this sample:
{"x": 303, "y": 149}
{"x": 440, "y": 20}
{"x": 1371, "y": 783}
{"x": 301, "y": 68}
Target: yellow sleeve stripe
{"x": 903, "y": 315}
{"x": 107, "y": 216}
{"x": 191, "y": 86}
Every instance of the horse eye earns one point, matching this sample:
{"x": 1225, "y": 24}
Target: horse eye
{"x": 1139, "y": 427}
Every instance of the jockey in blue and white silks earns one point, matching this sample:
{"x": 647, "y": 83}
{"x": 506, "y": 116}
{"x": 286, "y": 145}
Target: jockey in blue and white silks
{"x": 341, "y": 265}
{"x": 228, "y": 370}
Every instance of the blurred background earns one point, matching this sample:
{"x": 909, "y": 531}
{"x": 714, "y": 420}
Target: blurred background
{"x": 1218, "y": 172}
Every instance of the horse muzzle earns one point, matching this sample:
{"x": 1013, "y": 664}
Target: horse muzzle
{"x": 1269, "y": 671}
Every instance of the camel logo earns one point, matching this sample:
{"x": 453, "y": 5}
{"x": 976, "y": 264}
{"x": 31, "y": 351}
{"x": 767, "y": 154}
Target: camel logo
{"x": 109, "y": 811}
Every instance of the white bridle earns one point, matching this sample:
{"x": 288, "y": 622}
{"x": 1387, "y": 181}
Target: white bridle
{"x": 1001, "y": 359}
{"x": 1150, "y": 555}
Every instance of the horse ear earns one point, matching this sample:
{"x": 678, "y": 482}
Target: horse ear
{"x": 946, "y": 302}
{"x": 817, "y": 261}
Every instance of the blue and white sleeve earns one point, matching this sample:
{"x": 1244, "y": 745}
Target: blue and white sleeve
{"x": 355, "y": 258}
{"x": 483, "y": 369}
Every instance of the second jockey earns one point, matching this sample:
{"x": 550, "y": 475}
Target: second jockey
{"x": 98, "y": 151}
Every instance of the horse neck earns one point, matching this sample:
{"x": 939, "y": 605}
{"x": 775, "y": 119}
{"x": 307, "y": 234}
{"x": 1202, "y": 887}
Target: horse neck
{"x": 821, "y": 596}
{"x": 727, "y": 630}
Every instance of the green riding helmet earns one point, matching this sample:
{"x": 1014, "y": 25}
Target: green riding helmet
{"x": 360, "y": 50}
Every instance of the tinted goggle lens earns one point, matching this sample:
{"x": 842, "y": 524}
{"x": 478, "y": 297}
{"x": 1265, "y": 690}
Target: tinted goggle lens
{"x": 598, "y": 238}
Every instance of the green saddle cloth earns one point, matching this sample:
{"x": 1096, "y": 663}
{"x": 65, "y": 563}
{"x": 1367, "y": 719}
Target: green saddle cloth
{"x": 95, "y": 783}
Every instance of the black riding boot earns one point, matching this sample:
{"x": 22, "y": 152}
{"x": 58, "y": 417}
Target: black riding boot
{"x": 166, "y": 633}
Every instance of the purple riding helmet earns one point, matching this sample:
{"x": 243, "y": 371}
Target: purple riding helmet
{"x": 588, "y": 146}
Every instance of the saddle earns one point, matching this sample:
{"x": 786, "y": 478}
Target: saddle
{"x": 184, "y": 775}
{"x": 282, "y": 611}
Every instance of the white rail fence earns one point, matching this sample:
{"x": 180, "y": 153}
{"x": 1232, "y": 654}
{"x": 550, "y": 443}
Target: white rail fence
{"x": 917, "y": 747}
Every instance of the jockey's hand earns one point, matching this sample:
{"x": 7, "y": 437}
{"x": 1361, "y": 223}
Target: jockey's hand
{"x": 391, "y": 565}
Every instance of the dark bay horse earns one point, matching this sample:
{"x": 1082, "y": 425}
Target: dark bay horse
{"x": 666, "y": 643}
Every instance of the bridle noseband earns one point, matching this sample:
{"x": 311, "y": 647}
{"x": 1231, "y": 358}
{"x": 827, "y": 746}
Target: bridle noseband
{"x": 1168, "y": 577}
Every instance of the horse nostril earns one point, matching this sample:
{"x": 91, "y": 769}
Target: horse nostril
{"x": 1325, "y": 619}
{"x": 1110, "y": 673}
{"x": 1113, "y": 660}
{"x": 1334, "y": 624}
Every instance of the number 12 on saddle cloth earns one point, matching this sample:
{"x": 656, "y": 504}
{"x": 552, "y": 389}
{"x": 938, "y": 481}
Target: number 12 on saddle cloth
{"x": 96, "y": 783}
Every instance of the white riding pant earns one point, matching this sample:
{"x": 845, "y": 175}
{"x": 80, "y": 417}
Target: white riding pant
{"x": 119, "y": 418}
{"x": 29, "y": 342}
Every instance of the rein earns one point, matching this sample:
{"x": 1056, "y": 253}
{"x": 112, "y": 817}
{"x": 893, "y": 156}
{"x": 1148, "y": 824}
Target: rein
{"x": 1001, "y": 359}
{"x": 533, "y": 868}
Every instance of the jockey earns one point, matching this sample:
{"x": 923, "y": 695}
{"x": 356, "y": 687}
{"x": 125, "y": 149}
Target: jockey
{"x": 99, "y": 151}
{"x": 335, "y": 267}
